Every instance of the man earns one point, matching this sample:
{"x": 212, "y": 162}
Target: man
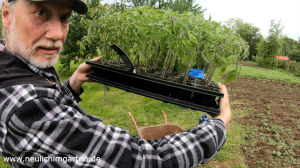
{"x": 40, "y": 117}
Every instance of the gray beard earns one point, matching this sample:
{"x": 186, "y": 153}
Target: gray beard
{"x": 20, "y": 48}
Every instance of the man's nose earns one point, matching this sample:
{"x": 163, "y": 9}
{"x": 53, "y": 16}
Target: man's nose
{"x": 55, "y": 30}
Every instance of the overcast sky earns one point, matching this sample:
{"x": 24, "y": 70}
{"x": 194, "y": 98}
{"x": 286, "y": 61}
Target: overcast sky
{"x": 257, "y": 12}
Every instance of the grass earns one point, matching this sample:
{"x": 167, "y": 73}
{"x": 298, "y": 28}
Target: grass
{"x": 256, "y": 71}
{"x": 145, "y": 110}
{"x": 270, "y": 74}
{"x": 148, "y": 112}
{"x": 230, "y": 155}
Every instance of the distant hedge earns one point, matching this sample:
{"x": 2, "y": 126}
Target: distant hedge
{"x": 291, "y": 66}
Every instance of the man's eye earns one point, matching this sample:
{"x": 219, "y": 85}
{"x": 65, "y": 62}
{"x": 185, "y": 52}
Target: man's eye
{"x": 65, "y": 18}
{"x": 41, "y": 12}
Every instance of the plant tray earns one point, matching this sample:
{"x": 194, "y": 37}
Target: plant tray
{"x": 123, "y": 76}
{"x": 170, "y": 92}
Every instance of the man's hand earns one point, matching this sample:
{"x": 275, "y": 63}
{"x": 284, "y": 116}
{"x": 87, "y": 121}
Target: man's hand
{"x": 79, "y": 76}
{"x": 225, "y": 114}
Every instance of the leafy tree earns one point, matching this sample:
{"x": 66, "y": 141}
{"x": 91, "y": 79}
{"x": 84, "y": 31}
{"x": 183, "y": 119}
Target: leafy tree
{"x": 288, "y": 45}
{"x": 290, "y": 48}
{"x": 273, "y": 40}
{"x": 77, "y": 31}
{"x": 122, "y": 5}
{"x": 294, "y": 49}
{"x": 176, "y": 5}
{"x": 295, "y": 55}
{"x": 183, "y": 5}
{"x": 248, "y": 32}
{"x": 271, "y": 46}
{"x": 142, "y": 2}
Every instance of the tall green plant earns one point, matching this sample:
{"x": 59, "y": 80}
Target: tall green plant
{"x": 161, "y": 39}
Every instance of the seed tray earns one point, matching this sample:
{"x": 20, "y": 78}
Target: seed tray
{"x": 125, "y": 78}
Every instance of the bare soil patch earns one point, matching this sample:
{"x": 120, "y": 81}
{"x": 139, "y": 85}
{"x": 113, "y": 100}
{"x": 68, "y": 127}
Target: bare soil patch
{"x": 270, "y": 112}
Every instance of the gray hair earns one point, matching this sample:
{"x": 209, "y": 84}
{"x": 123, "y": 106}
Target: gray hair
{"x": 11, "y": 4}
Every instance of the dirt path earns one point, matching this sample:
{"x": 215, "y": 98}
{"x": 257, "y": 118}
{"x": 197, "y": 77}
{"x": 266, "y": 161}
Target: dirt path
{"x": 270, "y": 112}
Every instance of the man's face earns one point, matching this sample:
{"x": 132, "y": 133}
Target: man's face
{"x": 38, "y": 30}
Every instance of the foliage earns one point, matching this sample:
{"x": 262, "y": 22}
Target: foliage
{"x": 120, "y": 5}
{"x": 136, "y": 3}
{"x": 180, "y": 6}
{"x": 291, "y": 48}
{"x": 248, "y": 32}
{"x": 77, "y": 30}
{"x": 183, "y": 5}
{"x": 289, "y": 45}
{"x": 295, "y": 55}
{"x": 291, "y": 66}
{"x": 161, "y": 39}
{"x": 276, "y": 45}
{"x": 270, "y": 47}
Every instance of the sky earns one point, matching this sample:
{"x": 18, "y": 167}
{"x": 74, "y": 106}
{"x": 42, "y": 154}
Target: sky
{"x": 257, "y": 12}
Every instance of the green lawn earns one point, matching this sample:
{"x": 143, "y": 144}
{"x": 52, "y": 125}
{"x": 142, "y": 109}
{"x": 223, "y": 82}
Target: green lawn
{"x": 270, "y": 74}
{"x": 148, "y": 112}
{"x": 263, "y": 73}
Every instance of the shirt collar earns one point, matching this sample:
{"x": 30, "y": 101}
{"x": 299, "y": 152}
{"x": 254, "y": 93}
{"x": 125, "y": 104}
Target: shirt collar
{"x": 31, "y": 66}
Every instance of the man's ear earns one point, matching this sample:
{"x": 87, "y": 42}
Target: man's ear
{"x": 6, "y": 15}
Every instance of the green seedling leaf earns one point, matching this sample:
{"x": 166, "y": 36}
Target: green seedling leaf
{"x": 187, "y": 44}
{"x": 99, "y": 53}
{"x": 231, "y": 76}
{"x": 192, "y": 38}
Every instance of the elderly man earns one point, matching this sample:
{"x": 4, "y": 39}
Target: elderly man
{"x": 41, "y": 122}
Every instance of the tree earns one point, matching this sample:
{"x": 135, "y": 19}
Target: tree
{"x": 291, "y": 48}
{"x": 143, "y": 2}
{"x": 248, "y": 32}
{"x": 289, "y": 45}
{"x": 271, "y": 46}
{"x": 273, "y": 40}
{"x": 183, "y": 5}
{"x": 176, "y": 5}
{"x": 77, "y": 31}
{"x": 120, "y": 5}
{"x": 295, "y": 55}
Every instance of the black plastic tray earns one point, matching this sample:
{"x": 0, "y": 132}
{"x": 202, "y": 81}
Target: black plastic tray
{"x": 170, "y": 92}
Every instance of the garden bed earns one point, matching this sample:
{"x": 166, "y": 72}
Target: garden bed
{"x": 269, "y": 110}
